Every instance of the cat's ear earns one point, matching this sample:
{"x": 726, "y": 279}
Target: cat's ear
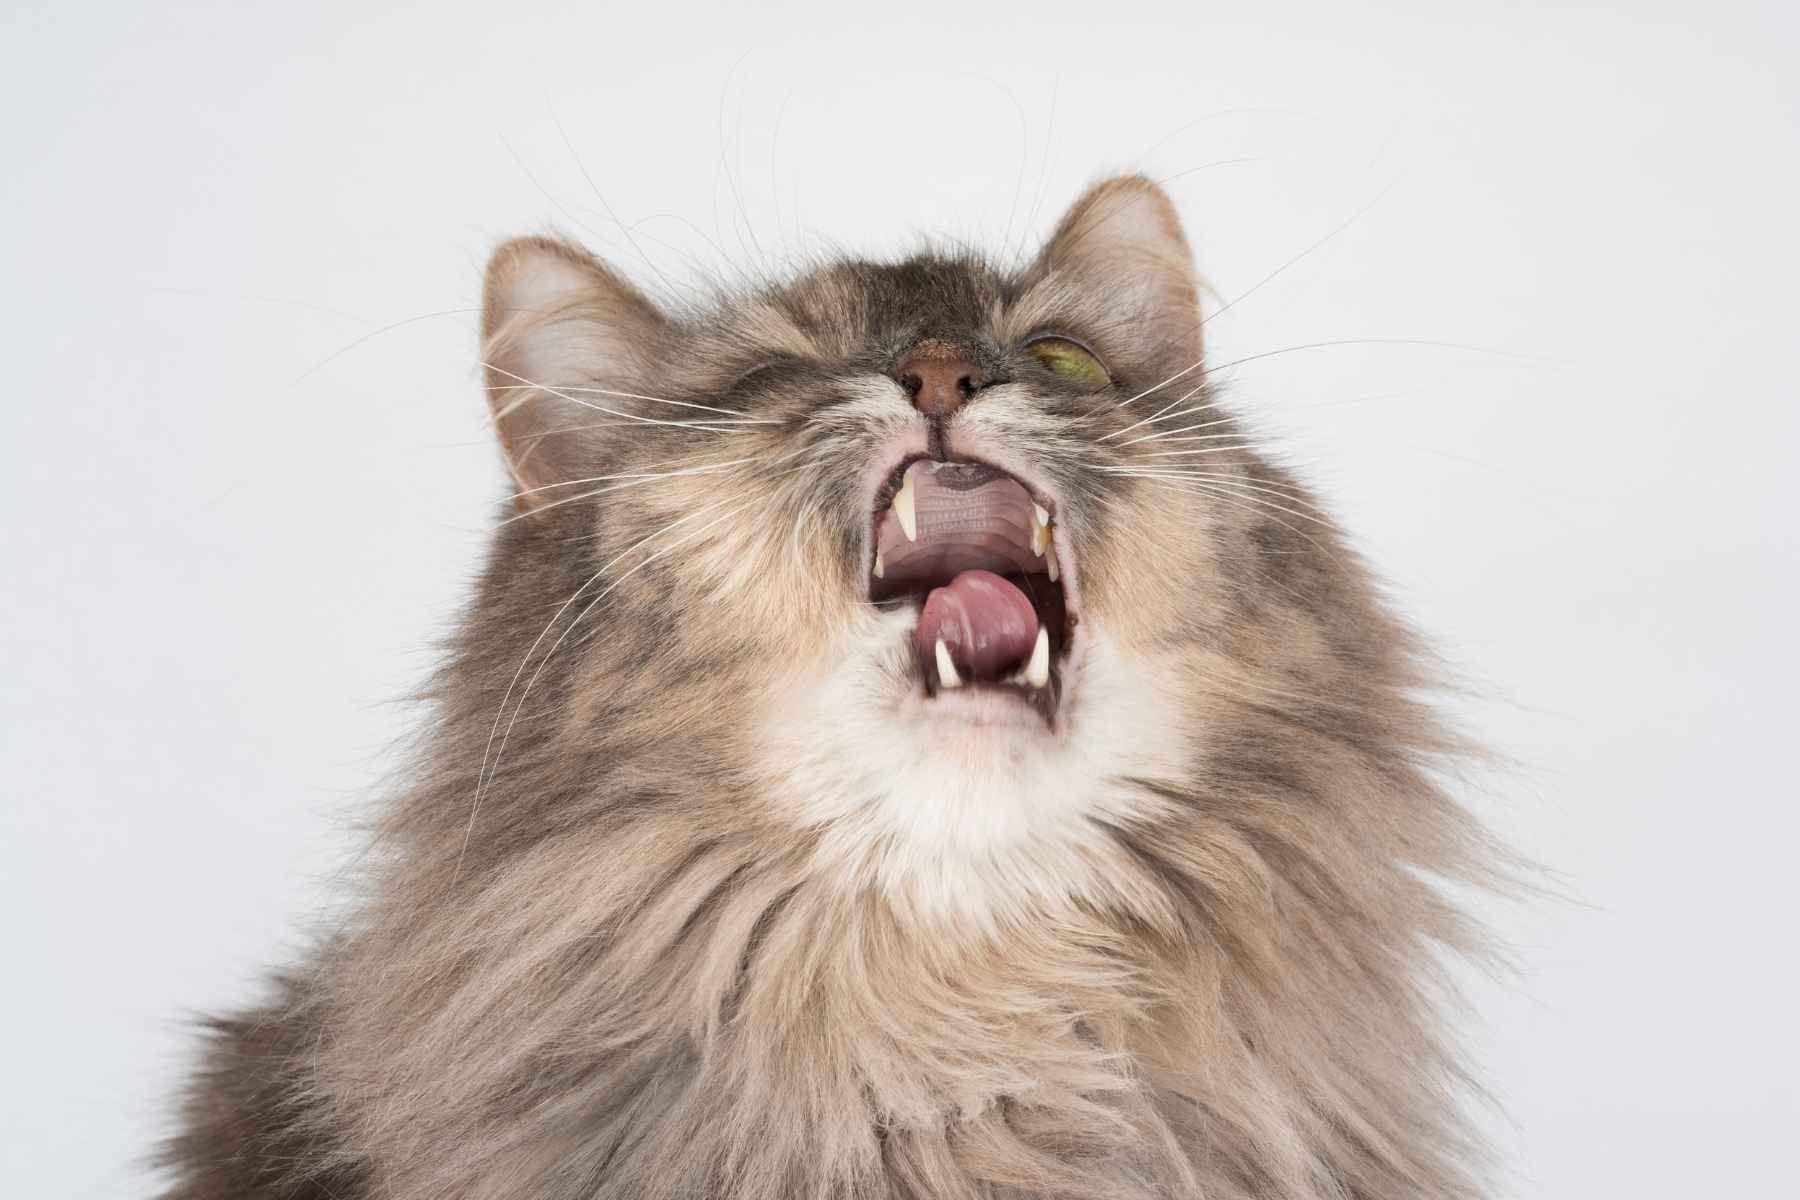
{"x": 559, "y": 331}
{"x": 1122, "y": 243}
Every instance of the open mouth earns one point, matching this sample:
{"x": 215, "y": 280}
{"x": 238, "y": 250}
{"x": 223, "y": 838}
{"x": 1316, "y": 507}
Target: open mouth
{"x": 974, "y": 551}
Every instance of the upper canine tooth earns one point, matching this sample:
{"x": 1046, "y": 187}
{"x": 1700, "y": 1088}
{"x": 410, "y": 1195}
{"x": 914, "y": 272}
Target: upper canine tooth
{"x": 903, "y": 509}
{"x": 880, "y": 567}
{"x": 1037, "y": 671}
{"x": 1049, "y": 562}
{"x": 1043, "y": 514}
{"x": 947, "y": 676}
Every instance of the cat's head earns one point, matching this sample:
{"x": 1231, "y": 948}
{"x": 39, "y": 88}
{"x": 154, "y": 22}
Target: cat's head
{"x": 943, "y": 565}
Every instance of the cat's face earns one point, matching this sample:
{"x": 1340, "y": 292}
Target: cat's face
{"x": 931, "y": 560}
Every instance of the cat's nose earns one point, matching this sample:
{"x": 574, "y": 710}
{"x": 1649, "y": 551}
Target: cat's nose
{"x": 939, "y": 379}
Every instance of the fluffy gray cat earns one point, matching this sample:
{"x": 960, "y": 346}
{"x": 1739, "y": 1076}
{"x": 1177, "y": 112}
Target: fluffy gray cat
{"x": 907, "y": 742}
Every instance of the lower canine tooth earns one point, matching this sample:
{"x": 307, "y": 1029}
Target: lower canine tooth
{"x": 947, "y": 676}
{"x": 903, "y": 510}
{"x": 1037, "y": 671}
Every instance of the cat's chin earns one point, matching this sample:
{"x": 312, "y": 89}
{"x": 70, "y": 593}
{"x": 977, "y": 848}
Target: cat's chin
{"x": 969, "y": 788}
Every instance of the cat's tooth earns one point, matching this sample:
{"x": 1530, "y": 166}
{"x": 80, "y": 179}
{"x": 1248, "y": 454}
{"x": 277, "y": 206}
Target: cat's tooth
{"x": 881, "y": 568}
{"x": 1049, "y": 562}
{"x": 947, "y": 676}
{"x": 1040, "y": 530}
{"x": 903, "y": 509}
{"x": 1037, "y": 671}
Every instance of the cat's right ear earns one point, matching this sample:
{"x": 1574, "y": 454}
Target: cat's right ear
{"x": 560, "y": 332}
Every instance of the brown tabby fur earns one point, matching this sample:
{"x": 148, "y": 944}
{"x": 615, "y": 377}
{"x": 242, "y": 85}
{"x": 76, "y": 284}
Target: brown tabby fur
{"x": 684, "y": 944}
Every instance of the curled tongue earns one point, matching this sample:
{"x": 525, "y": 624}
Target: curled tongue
{"x": 986, "y": 624}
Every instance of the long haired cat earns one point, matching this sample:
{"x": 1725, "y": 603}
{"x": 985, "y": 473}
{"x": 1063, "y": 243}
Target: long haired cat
{"x": 907, "y": 742}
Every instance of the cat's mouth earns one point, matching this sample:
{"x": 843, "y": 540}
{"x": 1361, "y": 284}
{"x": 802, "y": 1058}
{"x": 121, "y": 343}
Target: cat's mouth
{"x": 973, "y": 551}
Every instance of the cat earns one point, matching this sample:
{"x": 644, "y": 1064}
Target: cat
{"x": 908, "y": 741}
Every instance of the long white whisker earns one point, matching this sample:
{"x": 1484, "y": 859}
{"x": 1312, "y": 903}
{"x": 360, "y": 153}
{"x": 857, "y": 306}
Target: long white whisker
{"x": 1178, "y": 435}
{"x": 1226, "y": 490}
{"x": 1242, "y": 443}
{"x": 700, "y": 470}
{"x": 1272, "y": 275}
{"x": 634, "y": 480}
{"x": 627, "y": 482}
{"x": 1181, "y": 475}
{"x": 1157, "y": 415}
{"x": 1165, "y": 383}
{"x": 1250, "y": 358}
{"x": 601, "y": 196}
{"x": 711, "y": 427}
{"x": 375, "y": 333}
{"x": 733, "y": 415}
{"x": 1159, "y": 434}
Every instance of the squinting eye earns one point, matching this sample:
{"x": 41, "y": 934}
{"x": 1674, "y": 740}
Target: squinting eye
{"x": 1069, "y": 360}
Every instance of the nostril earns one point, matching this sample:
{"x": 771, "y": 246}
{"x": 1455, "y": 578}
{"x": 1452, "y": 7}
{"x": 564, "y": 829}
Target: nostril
{"x": 939, "y": 380}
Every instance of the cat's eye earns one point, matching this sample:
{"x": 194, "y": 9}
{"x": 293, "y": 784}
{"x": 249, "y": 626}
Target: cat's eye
{"x": 1071, "y": 360}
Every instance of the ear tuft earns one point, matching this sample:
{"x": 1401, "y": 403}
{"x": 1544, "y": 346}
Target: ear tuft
{"x": 1124, "y": 236}
{"x": 559, "y": 331}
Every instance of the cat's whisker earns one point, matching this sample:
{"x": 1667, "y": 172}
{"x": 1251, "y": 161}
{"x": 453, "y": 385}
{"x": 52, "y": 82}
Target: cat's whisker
{"x": 1179, "y": 475}
{"x": 1238, "y": 442}
{"x": 525, "y": 397}
{"x": 1241, "y": 444}
{"x": 621, "y": 482}
{"x": 1156, "y": 416}
{"x": 1429, "y": 343}
{"x": 637, "y": 479}
{"x": 1185, "y": 371}
{"x": 1335, "y": 342}
{"x": 1182, "y": 435}
{"x": 1225, "y": 490}
{"x": 1257, "y": 505}
{"x": 730, "y": 415}
{"x": 1161, "y": 434}
{"x": 375, "y": 333}
{"x": 631, "y": 475}
{"x": 1352, "y": 219}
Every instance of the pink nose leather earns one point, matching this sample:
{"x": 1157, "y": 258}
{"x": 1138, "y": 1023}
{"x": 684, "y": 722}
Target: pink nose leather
{"x": 939, "y": 379}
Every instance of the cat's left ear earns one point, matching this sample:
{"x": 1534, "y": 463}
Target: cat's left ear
{"x": 561, "y": 332}
{"x": 1122, "y": 246}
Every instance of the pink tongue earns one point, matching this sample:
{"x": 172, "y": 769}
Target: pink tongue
{"x": 985, "y": 622}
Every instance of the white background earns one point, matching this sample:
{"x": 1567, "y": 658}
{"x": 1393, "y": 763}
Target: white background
{"x": 248, "y": 477}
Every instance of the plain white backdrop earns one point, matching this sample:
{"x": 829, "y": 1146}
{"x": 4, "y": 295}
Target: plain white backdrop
{"x": 249, "y": 478}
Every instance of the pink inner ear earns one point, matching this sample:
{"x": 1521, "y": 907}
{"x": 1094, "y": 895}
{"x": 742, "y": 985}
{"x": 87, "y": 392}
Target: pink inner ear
{"x": 1122, "y": 218}
{"x": 560, "y": 332}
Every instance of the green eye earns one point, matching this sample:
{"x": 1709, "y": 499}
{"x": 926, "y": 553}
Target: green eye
{"x": 1070, "y": 361}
